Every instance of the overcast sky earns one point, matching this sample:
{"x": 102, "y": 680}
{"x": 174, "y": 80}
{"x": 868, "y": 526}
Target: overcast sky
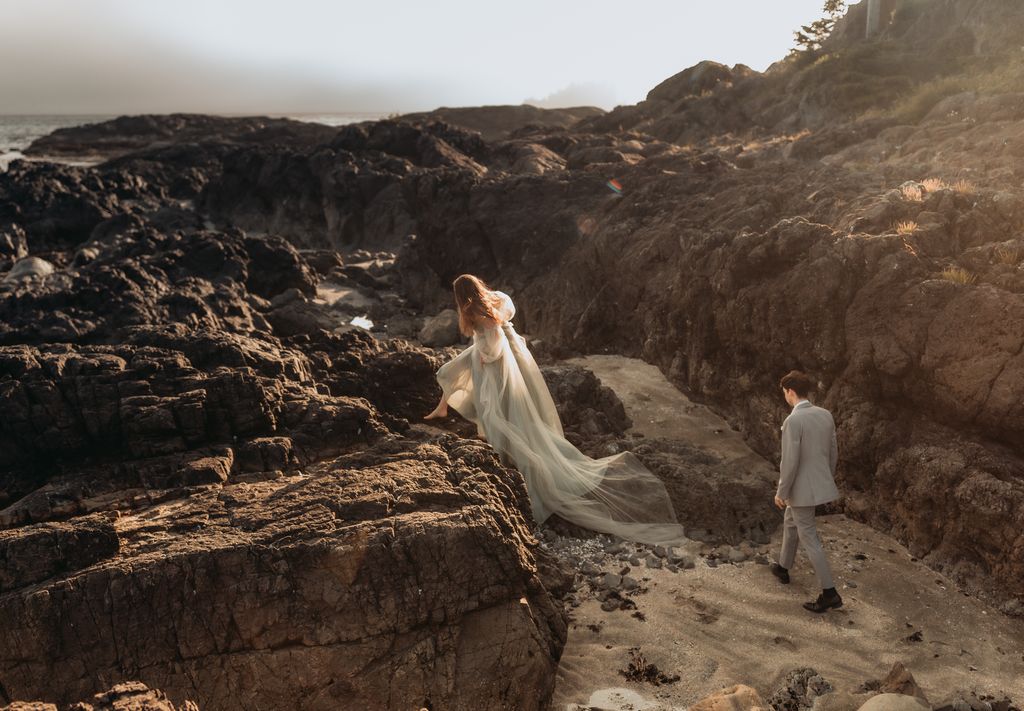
{"x": 295, "y": 56}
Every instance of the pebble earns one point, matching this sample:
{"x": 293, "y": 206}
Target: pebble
{"x": 851, "y": 584}
{"x": 634, "y": 561}
{"x": 654, "y": 562}
{"x": 611, "y": 580}
{"x": 589, "y": 568}
{"x": 660, "y": 551}
{"x": 737, "y": 556}
{"x": 629, "y": 583}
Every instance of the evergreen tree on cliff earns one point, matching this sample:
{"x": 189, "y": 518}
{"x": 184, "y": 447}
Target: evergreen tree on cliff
{"x": 809, "y": 37}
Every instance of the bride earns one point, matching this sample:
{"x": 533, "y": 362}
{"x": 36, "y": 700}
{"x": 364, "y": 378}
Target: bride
{"x": 495, "y": 383}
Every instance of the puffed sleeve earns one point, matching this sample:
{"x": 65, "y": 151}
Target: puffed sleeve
{"x": 507, "y": 310}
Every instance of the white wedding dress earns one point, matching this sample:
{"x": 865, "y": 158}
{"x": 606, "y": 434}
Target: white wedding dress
{"x": 496, "y": 384}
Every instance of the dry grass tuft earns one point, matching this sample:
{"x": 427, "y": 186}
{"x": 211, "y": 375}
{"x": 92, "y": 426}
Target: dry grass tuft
{"x": 1007, "y": 254}
{"x": 958, "y": 275}
{"x": 906, "y": 228}
{"x": 932, "y": 184}
{"x": 964, "y": 187}
{"x": 912, "y": 193}
{"x": 915, "y": 104}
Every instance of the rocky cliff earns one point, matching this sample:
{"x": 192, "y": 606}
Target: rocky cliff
{"x": 203, "y": 491}
{"x": 210, "y": 483}
{"x": 851, "y": 212}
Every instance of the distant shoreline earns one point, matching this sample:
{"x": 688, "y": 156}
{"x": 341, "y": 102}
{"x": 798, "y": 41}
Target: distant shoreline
{"x": 18, "y": 131}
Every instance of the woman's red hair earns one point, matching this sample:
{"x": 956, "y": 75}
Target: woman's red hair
{"x": 476, "y": 303}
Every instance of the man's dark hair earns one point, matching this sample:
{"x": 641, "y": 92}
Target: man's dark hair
{"x": 798, "y": 382}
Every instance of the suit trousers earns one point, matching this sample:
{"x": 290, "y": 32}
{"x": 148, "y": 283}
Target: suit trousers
{"x": 798, "y": 526}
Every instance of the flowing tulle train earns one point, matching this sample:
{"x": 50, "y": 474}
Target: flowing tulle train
{"x": 496, "y": 384}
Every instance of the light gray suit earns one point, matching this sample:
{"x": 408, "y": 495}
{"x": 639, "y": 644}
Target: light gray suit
{"x": 806, "y": 479}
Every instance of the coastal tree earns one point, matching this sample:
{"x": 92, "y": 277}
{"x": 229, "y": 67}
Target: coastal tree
{"x": 809, "y": 37}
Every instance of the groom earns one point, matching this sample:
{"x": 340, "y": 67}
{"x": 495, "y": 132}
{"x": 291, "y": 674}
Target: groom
{"x": 809, "y": 456}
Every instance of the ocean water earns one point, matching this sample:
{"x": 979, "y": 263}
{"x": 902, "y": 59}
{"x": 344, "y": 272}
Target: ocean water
{"x": 18, "y": 132}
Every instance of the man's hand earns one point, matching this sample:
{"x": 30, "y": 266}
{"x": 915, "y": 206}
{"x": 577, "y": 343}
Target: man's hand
{"x": 779, "y": 503}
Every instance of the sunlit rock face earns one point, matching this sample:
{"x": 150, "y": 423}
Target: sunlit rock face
{"x": 394, "y": 577}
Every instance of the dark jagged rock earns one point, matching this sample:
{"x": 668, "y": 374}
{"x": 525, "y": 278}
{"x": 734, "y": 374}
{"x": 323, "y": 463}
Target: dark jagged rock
{"x": 337, "y": 195}
{"x": 126, "y": 277}
{"x": 58, "y": 206}
{"x": 718, "y": 501}
{"x": 393, "y": 375}
{"x": 150, "y": 416}
{"x": 498, "y": 122}
{"x": 425, "y": 145}
{"x": 430, "y": 532}
{"x": 584, "y": 404}
{"x": 136, "y": 133}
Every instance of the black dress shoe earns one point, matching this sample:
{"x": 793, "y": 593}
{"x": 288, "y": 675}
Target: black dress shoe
{"x": 824, "y": 603}
{"x": 781, "y": 573}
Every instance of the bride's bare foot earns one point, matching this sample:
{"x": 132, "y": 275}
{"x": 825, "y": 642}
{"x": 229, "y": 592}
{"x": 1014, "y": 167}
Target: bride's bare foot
{"x": 437, "y": 413}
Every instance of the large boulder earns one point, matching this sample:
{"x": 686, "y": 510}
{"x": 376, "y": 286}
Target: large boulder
{"x": 399, "y": 577}
{"x": 28, "y": 269}
{"x": 441, "y": 330}
{"x": 585, "y": 405}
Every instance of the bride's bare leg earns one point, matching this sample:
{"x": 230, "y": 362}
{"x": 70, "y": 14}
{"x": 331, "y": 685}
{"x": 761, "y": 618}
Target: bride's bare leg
{"x": 438, "y": 412}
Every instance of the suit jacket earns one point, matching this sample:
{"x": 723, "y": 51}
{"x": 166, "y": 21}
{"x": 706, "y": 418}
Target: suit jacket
{"x": 809, "y": 456}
